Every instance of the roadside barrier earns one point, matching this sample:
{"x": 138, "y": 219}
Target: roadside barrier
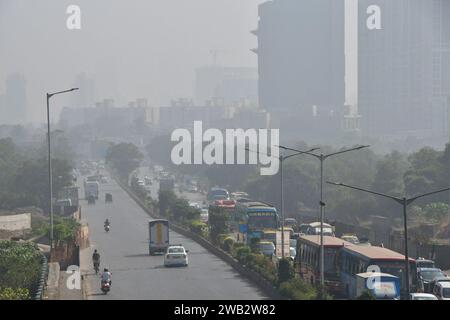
{"x": 253, "y": 276}
{"x": 38, "y": 295}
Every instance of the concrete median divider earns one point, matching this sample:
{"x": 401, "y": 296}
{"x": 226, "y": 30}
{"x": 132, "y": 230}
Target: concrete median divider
{"x": 253, "y": 276}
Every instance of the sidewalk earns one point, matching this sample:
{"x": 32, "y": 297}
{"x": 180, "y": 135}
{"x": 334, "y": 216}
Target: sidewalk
{"x": 64, "y": 292}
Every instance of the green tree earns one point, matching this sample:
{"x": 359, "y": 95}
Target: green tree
{"x": 124, "y": 158}
{"x": 218, "y": 222}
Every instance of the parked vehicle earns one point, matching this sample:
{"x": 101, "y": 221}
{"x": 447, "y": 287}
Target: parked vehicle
{"x": 158, "y": 236}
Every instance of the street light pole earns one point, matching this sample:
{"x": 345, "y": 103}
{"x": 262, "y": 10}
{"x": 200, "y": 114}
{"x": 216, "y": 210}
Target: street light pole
{"x": 50, "y": 180}
{"x": 281, "y": 159}
{"x": 322, "y": 157}
{"x": 405, "y": 225}
{"x": 50, "y": 184}
{"x": 404, "y": 202}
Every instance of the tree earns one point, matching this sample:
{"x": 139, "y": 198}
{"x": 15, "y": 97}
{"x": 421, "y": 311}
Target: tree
{"x": 124, "y": 158}
{"x": 218, "y": 222}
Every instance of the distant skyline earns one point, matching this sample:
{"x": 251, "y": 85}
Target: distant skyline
{"x": 133, "y": 49}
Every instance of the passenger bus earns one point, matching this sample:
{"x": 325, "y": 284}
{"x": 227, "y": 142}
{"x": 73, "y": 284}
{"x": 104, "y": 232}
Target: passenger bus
{"x": 307, "y": 260}
{"x": 355, "y": 259}
{"x": 255, "y": 217}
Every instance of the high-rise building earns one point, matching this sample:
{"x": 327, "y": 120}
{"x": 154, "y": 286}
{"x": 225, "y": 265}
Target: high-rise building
{"x": 404, "y": 66}
{"x": 15, "y": 100}
{"x": 85, "y": 97}
{"x": 226, "y": 85}
{"x": 301, "y": 62}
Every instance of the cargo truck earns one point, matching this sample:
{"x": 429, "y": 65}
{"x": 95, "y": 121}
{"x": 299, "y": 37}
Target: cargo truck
{"x": 91, "y": 189}
{"x": 158, "y": 236}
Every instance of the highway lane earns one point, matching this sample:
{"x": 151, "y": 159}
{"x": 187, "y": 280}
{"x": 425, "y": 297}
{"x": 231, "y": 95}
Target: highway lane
{"x": 135, "y": 274}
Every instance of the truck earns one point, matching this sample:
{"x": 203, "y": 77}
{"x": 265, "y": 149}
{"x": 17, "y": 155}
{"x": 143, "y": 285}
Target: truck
{"x": 91, "y": 189}
{"x": 382, "y": 286}
{"x": 158, "y": 236}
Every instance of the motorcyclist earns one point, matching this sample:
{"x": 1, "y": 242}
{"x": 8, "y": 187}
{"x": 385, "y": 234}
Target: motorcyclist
{"x": 107, "y": 223}
{"x": 96, "y": 256}
{"x": 106, "y": 276}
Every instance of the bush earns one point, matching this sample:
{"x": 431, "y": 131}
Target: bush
{"x": 285, "y": 270}
{"x": 14, "y": 294}
{"x": 242, "y": 254}
{"x": 297, "y": 289}
{"x": 198, "y": 227}
{"x": 366, "y": 295}
{"x": 20, "y": 266}
{"x": 65, "y": 229}
{"x": 228, "y": 244}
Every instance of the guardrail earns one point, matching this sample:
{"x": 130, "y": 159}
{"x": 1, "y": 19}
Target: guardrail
{"x": 38, "y": 295}
{"x": 253, "y": 276}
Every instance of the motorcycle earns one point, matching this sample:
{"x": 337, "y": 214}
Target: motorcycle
{"x": 106, "y": 286}
{"x": 107, "y": 228}
{"x": 96, "y": 267}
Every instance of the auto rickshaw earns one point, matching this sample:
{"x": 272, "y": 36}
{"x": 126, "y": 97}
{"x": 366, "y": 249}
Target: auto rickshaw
{"x": 108, "y": 197}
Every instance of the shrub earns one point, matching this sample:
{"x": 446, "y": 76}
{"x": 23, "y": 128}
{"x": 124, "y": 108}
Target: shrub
{"x": 20, "y": 265}
{"x": 366, "y": 295}
{"x": 285, "y": 270}
{"x": 198, "y": 227}
{"x": 14, "y": 294}
{"x": 228, "y": 244}
{"x": 242, "y": 254}
{"x": 297, "y": 289}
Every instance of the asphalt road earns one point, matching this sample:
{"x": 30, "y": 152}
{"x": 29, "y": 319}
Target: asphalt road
{"x": 135, "y": 274}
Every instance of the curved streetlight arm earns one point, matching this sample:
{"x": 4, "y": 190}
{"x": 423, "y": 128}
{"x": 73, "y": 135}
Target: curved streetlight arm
{"x": 49, "y": 95}
{"x": 400, "y": 200}
{"x": 301, "y": 152}
{"x": 285, "y": 157}
{"x": 408, "y": 201}
{"x": 344, "y": 151}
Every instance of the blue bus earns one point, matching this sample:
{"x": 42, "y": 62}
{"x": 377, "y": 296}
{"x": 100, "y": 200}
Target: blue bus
{"x": 256, "y": 217}
{"x": 356, "y": 259}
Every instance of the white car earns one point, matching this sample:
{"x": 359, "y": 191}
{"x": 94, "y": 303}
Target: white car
{"x": 176, "y": 256}
{"x": 423, "y": 296}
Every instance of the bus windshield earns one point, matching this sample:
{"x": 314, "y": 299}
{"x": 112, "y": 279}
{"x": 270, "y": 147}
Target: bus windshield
{"x": 262, "y": 222}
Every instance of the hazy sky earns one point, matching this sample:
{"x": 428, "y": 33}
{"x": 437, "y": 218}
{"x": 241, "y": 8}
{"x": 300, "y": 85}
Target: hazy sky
{"x": 133, "y": 48}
